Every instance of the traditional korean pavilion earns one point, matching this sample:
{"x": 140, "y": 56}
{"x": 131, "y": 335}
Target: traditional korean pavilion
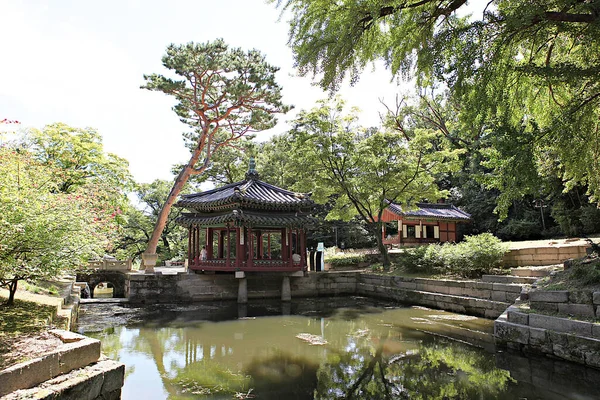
{"x": 428, "y": 223}
{"x": 247, "y": 226}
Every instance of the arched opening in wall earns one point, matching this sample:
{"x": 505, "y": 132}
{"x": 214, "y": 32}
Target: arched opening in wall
{"x": 104, "y": 290}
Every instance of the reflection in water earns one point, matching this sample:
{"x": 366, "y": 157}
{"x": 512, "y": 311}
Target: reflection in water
{"x": 350, "y": 348}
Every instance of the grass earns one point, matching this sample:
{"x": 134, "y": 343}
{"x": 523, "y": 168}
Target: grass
{"x": 21, "y": 320}
{"x": 25, "y": 317}
{"x": 583, "y": 274}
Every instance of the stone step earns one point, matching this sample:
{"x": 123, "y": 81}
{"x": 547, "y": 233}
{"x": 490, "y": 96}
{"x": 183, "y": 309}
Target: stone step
{"x": 104, "y": 300}
{"x": 532, "y": 271}
{"x": 528, "y": 280}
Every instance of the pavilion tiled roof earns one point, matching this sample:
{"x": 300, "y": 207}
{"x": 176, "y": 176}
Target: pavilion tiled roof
{"x": 441, "y": 211}
{"x": 252, "y": 193}
{"x": 252, "y": 218}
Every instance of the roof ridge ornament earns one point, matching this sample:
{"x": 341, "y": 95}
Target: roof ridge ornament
{"x": 252, "y": 174}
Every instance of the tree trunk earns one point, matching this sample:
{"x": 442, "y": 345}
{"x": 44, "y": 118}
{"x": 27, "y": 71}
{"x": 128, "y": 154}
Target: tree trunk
{"x": 12, "y": 289}
{"x": 376, "y": 230}
{"x": 161, "y": 222}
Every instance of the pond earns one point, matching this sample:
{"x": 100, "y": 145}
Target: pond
{"x": 321, "y": 348}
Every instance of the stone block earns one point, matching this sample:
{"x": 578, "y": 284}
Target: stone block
{"x": 507, "y": 287}
{"x": 582, "y": 310}
{"x": 557, "y": 296}
{"x": 491, "y": 314}
{"x": 407, "y": 285}
{"x": 455, "y": 290}
{"x": 568, "y": 353}
{"x": 485, "y": 285}
{"x": 560, "y": 324}
{"x": 546, "y": 307}
{"x": 537, "y": 337}
{"x": 498, "y": 296}
{"x": 518, "y": 317}
{"x": 580, "y": 296}
{"x": 596, "y": 331}
{"x": 30, "y": 373}
{"x": 78, "y": 354}
{"x": 596, "y": 297}
{"x": 509, "y": 332}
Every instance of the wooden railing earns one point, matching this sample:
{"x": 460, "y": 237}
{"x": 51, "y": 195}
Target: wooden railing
{"x": 220, "y": 264}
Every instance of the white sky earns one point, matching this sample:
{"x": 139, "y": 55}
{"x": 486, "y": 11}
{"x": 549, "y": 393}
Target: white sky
{"x": 82, "y": 62}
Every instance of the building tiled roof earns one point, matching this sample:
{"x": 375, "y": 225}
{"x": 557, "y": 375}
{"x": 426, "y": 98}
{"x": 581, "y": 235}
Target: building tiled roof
{"x": 444, "y": 211}
{"x": 251, "y": 193}
{"x": 247, "y": 218}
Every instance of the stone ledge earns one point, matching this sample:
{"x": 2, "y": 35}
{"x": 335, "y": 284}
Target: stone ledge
{"x": 102, "y": 380}
{"x": 65, "y": 358}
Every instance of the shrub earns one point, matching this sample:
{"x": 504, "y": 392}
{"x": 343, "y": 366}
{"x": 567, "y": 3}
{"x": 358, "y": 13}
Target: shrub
{"x": 475, "y": 256}
{"x": 342, "y": 259}
{"x": 423, "y": 259}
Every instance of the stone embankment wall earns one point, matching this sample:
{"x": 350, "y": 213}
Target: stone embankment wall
{"x": 547, "y": 255}
{"x": 484, "y": 299}
{"x": 571, "y": 340}
{"x": 576, "y": 303}
{"x": 147, "y": 289}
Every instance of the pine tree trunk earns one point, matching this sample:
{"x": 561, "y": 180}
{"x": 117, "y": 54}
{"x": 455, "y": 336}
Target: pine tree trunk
{"x": 161, "y": 222}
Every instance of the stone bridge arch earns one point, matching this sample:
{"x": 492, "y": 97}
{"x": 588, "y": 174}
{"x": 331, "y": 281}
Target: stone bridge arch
{"x": 93, "y": 278}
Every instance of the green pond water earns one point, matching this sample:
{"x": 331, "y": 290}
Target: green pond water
{"x": 323, "y": 348}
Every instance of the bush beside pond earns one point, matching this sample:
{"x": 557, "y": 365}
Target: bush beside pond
{"x": 475, "y": 256}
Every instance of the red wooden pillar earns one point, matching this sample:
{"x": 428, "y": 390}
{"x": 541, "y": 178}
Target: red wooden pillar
{"x": 189, "y": 252}
{"x": 209, "y": 243}
{"x": 228, "y": 249}
{"x": 269, "y": 244}
{"x": 250, "y": 243}
{"x": 290, "y": 261}
{"x": 283, "y": 244}
{"x": 302, "y": 248}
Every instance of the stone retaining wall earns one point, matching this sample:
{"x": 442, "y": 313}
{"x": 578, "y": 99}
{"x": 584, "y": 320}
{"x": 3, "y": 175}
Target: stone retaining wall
{"x": 543, "y": 255}
{"x": 571, "y": 340}
{"x": 484, "y": 299}
{"x": 142, "y": 288}
{"x": 579, "y": 303}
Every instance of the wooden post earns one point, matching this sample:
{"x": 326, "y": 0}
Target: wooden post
{"x": 290, "y": 261}
{"x": 302, "y": 248}
{"x": 189, "y": 252}
{"x": 209, "y": 243}
{"x": 227, "y": 263}
{"x": 251, "y": 249}
{"x": 283, "y": 244}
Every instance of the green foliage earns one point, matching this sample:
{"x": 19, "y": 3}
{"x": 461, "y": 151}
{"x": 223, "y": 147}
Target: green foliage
{"x": 345, "y": 259}
{"x": 140, "y": 223}
{"x": 475, "y": 256}
{"x": 44, "y": 230}
{"x": 360, "y": 169}
{"x": 586, "y": 274}
{"x": 523, "y": 74}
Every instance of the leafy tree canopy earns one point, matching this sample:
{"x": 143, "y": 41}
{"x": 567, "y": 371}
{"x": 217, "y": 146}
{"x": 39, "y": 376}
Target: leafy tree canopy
{"x": 43, "y": 230}
{"x": 524, "y": 67}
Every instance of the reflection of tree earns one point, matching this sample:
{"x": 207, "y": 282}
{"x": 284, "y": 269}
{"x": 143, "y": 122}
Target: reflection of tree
{"x": 439, "y": 370}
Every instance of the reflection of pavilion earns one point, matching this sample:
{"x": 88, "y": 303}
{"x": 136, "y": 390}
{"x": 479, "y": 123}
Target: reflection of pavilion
{"x": 247, "y": 226}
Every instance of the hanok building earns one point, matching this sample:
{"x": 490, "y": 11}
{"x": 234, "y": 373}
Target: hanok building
{"x": 247, "y": 226}
{"x": 428, "y": 223}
